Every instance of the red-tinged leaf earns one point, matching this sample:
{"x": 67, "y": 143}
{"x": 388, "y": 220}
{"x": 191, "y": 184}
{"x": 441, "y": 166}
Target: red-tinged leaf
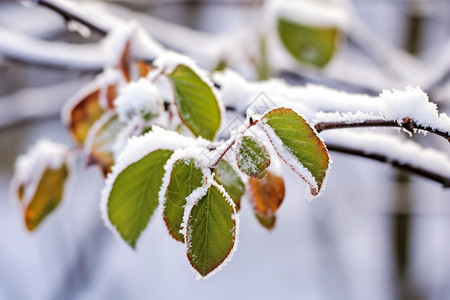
{"x": 298, "y": 145}
{"x": 267, "y": 194}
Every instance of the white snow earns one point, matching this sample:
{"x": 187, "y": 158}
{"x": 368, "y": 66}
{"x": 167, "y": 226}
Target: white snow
{"x": 393, "y": 147}
{"x": 30, "y": 167}
{"x": 140, "y": 98}
{"x": 33, "y": 50}
{"x": 358, "y": 117}
{"x": 169, "y": 61}
{"x": 320, "y": 103}
{"x": 309, "y": 12}
{"x": 115, "y": 42}
{"x": 413, "y": 103}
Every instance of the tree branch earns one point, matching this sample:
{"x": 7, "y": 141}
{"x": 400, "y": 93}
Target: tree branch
{"x": 68, "y": 16}
{"x": 445, "y": 181}
{"x": 407, "y": 124}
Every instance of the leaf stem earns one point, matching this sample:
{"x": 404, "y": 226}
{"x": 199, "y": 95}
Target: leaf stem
{"x": 230, "y": 142}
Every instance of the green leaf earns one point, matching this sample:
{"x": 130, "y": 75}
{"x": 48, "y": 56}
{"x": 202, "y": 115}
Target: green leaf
{"x": 134, "y": 195}
{"x": 185, "y": 177}
{"x": 267, "y": 222}
{"x": 298, "y": 145}
{"x": 211, "y": 231}
{"x": 252, "y": 157}
{"x": 307, "y": 44}
{"x": 196, "y": 103}
{"x": 47, "y": 197}
{"x": 226, "y": 176}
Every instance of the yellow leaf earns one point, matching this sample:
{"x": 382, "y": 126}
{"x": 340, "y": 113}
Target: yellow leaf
{"x": 47, "y": 197}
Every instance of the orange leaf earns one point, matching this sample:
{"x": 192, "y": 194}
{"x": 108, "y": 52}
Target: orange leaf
{"x": 83, "y": 115}
{"x": 143, "y": 68}
{"x": 267, "y": 194}
{"x": 111, "y": 95}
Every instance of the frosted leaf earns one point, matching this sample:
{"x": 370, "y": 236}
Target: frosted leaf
{"x": 30, "y": 167}
{"x": 252, "y": 157}
{"x": 209, "y": 250}
{"x": 139, "y": 98}
{"x": 40, "y": 180}
{"x": 137, "y": 149}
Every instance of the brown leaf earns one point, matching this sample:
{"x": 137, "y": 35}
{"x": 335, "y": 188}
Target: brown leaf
{"x": 47, "y": 197}
{"x": 124, "y": 63}
{"x": 83, "y": 115}
{"x": 266, "y": 194}
{"x": 111, "y": 95}
{"x": 143, "y": 68}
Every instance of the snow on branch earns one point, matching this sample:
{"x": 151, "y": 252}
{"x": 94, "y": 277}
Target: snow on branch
{"x": 55, "y": 54}
{"x": 409, "y": 109}
{"x": 404, "y": 154}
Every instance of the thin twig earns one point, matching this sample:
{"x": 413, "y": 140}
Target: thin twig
{"x": 69, "y": 16}
{"x": 445, "y": 181}
{"x": 407, "y": 124}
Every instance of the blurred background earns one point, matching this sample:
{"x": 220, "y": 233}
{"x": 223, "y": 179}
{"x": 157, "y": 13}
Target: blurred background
{"x": 376, "y": 233}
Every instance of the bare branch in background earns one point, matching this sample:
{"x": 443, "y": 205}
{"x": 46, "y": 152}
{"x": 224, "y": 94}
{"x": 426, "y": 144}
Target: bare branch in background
{"x": 444, "y": 180}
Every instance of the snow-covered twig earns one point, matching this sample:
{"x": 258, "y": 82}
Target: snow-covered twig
{"x": 444, "y": 180}
{"x": 67, "y": 15}
{"x": 407, "y": 124}
{"x": 86, "y": 57}
{"x": 405, "y": 154}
